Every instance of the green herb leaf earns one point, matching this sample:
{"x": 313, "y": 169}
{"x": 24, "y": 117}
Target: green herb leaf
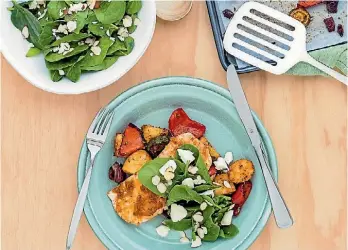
{"x": 73, "y": 73}
{"x": 205, "y": 187}
{"x": 104, "y": 44}
{"x": 55, "y": 77}
{"x": 183, "y": 193}
{"x": 133, "y": 6}
{"x": 33, "y": 52}
{"x": 21, "y": 17}
{"x": 110, "y": 12}
{"x": 54, "y": 57}
{"x": 107, "y": 63}
{"x": 55, "y": 8}
{"x": 182, "y": 225}
{"x": 46, "y": 35}
{"x": 228, "y": 232}
{"x": 70, "y": 38}
{"x": 212, "y": 228}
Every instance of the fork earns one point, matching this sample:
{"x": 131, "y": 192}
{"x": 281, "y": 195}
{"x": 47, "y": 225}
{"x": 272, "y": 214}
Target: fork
{"x": 96, "y": 137}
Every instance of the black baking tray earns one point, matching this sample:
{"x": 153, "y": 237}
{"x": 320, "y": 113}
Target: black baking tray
{"x": 217, "y": 28}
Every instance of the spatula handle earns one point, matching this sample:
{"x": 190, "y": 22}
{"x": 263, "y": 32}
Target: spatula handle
{"x": 326, "y": 69}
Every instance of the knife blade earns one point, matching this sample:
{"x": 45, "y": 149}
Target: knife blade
{"x": 281, "y": 212}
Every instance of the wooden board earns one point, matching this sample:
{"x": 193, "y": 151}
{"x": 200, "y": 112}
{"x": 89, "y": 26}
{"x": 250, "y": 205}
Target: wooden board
{"x": 42, "y": 134}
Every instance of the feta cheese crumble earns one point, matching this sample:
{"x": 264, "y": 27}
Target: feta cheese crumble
{"x": 199, "y": 180}
{"x": 192, "y": 169}
{"x": 25, "y": 32}
{"x": 71, "y": 25}
{"x": 188, "y": 182}
{"x": 127, "y": 21}
{"x": 161, "y": 188}
{"x": 227, "y": 219}
{"x": 186, "y": 156}
{"x": 96, "y": 50}
{"x": 155, "y": 180}
{"x": 169, "y": 164}
{"x": 162, "y": 230}
{"x": 177, "y": 212}
{"x": 198, "y": 217}
{"x": 220, "y": 164}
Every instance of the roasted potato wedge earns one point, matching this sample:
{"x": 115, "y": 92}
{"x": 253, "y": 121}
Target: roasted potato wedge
{"x": 117, "y": 145}
{"x": 132, "y": 141}
{"x": 225, "y": 182}
{"x": 241, "y": 171}
{"x": 136, "y": 161}
{"x": 212, "y": 151}
{"x": 150, "y": 132}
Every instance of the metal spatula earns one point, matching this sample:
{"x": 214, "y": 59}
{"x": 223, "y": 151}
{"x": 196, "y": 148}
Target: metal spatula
{"x": 270, "y": 40}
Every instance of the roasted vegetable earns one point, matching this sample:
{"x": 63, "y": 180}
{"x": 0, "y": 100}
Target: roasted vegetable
{"x": 226, "y": 186}
{"x": 180, "y": 123}
{"x": 241, "y": 171}
{"x": 301, "y": 15}
{"x": 156, "y": 145}
{"x": 212, "y": 171}
{"x": 330, "y": 24}
{"x": 240, "y": 196}
{"x": 213, "y": 153}
{"x": 116, "y": 173}
{"x": 150, "y": 132}
{"x": 331, "y": 6}
{"x": 136, "y": 161}
{"x": 132, "y": 141}
{"x": 306, "y": 3}
{"x": 117, "y": 145}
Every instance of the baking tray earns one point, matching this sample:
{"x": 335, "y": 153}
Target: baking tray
{"x": 317, "y": 38}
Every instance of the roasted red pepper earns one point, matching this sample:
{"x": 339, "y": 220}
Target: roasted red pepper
{"x": 132, "y": 140}
{"x": 180, "y": 123}
{"x": 212, "y": 170}
{"x": 306, "y": 4}
{"x": 240, "y": 196}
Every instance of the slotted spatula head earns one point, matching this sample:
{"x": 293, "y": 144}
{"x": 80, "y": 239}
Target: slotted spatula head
{"x": 265, "y": 38}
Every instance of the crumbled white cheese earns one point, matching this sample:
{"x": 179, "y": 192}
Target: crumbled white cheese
{"x": 197, "y": 242}
{"x": 220, "y": 164}
{"x": 63, "y": 47}
{"x": 205, "y": 230}
{"x": 227, "y": 184}
{"x": 77, "y": 7}
{"x": 200, "y": 233}
{"x": 71, "y": 25}
{"x": 169, "y": 164}
{"x": 162, "y": 230}
{"x": 198, "y": 217}
{"x": 228, "y": 157}
{"x": 123, "y": 32}
{"x": 227, "y": 219}
{"x": 177, "y": 212}
{"x": 33, "y": 5}
{"x": 127, "y": 21}
{"x": 96, "y": 50}
{"x": 68, "y": 51}
{"x": 55, "y": 49}
{"x": 184, "y": 240}
{"x": 199, "y": 180}
{"x": 188, "y": 182}
{"x": 61, "y": 72}
{"x": 169, "y": 182}
{"x": 156, "y": 180}
{"x": 136, "y": 21}
{"x": 89, "y": 41}
{"x": 186, "y": 156}
{"x": 203, "y": 206}
{"x": 95, "y": 43}
{"x": 208, "y": 192}
{"x": 168, "y": 175}
{"x": 161, "y": 188}
{"x": 25, "y": 32}
{"x": 62, "y": 28}
{"x": 192, "y": 169}
{"x": 91, "y": 54}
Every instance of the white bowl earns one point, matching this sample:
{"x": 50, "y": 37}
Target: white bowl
{"x": 33, "y": 69}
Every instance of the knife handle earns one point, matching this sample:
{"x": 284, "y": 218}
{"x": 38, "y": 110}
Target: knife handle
{"x": 281, "y": 212}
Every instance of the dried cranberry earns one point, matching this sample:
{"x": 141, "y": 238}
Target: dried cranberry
{"x": 340, "y": 30}
{"x": 116, "y": 173}
{"x": 330, "y": 23}
{"x": 228, "y": 13}
{"x": 331, "y": 6}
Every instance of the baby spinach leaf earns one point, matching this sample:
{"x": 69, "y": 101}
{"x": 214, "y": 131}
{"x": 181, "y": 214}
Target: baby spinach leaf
{"x": 108, "y": 62}
{"x": 62, "y": 63}
{"x": 219, "y": 214}
{"x": 210, "y": 201}
{"x": 100, "y": 29}
{"x": 183, "y": 193}
{"x": 151, "y": 168}
{"x": 73, "y": 73}
{"x": 223, "y": 200}
{"x": 110, "y": 12}
{"x": 21, "y": 17}
{"x": 54, "y": 57}
{"x": 212, "y": 228}
{"x": 46, "y": 35}
{"x": 133, "y": 6}
{"x": 80, "y": 18}
{"x": 182, "y": 225}
{"x": 55, "y": 76}
{"x": 91, "y": 17}
{"x": 55, "y": 8}
{"x": 228, "y": 232}
{"x": 129, "y": 43}
{"x": 33, "y": 52}
{"x": 116, "y": 46}
{"x": 199, "y": 162}
{"x": 205, "y": 187}
{"x": 92, "y": 60}
{"x": 70, "y": 38}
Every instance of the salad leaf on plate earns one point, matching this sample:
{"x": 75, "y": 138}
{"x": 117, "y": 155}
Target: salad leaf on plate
{"x": 54, "y": 57}
{"x": 110, "y": 12}
{"x": 182, "y": 225}
{"x": 228, "y": 232}
{"x": 33, "y": 52}
{"x": 183, "y": 193}
{"x": 133, "y": 6}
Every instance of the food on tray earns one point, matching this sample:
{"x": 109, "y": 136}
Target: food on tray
{"x": 306, "y": 3}
{"x": 228, "y": 13}
{"x": 331, "y": 6}
{"x": 77, "y": 36}
{"x": 340, "y": 30}
{"x": 182, "y": 181}
{"x": 330, "y": 24}
{"x": 302, "y": 15}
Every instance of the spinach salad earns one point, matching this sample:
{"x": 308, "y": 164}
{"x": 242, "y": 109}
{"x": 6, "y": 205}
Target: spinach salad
{"x": 77, "y": 36}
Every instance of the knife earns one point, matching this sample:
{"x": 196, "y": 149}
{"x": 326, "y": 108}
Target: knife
{"x": 281, "y": 212}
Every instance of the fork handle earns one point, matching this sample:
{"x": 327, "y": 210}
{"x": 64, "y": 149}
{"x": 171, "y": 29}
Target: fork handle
{"x": 342, "y": 78}
{"x": 79, "y": 208}
{"x": 281, "y": 212}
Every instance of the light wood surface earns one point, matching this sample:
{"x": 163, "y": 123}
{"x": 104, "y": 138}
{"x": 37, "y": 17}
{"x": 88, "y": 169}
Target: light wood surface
{"x": 42, "y": 134}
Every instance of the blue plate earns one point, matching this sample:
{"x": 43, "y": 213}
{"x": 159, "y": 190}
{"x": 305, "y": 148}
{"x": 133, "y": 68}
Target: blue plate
{"x": 152, "y": 103}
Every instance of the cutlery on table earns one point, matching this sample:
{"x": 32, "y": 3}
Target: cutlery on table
{"x": 95, "y": 139}
{"x": 281, "y": 213}
{"x": 270, "y": 40}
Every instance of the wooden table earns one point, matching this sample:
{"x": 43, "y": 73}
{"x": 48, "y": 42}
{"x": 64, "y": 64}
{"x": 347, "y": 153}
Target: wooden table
{"x": 305, "y": 116}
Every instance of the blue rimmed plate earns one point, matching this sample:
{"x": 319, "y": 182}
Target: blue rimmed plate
{"x": 152, "y": 103}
